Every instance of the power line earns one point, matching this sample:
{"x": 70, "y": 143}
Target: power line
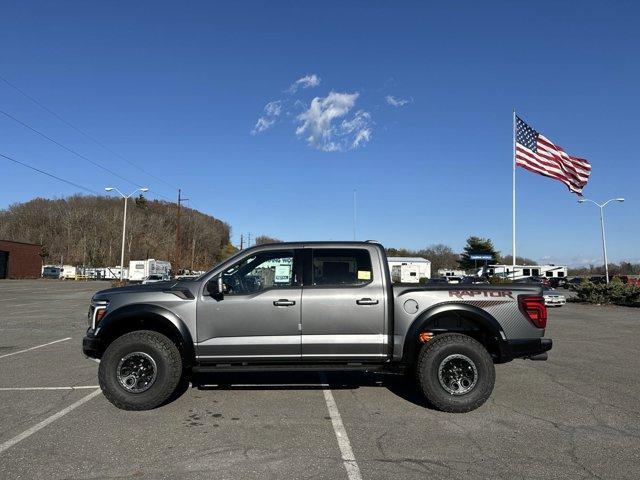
{"x": 83, "y": 133}
{"x": 68, "y": 149}
{"x": 48, "y": 174}
{"x": 20, "y": 122}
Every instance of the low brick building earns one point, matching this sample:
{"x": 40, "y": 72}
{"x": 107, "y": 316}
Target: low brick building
{"x": 20, "y": 260}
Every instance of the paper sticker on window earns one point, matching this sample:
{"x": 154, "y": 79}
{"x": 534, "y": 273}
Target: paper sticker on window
{"x": 283, "y": 274}
{"x": 364, "y": 275}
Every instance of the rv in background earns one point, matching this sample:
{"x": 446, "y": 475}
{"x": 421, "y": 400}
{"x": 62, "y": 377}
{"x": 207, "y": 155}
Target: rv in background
{"x": 68, "y": 272}
{"x": 409, "y": 269}
{"x": 51, "y": 271}
{"x": 141, "y": 269}
{"x": 449, "y": 272}
{"x": 524, "y": 271}
{"x": 113, "y": 273}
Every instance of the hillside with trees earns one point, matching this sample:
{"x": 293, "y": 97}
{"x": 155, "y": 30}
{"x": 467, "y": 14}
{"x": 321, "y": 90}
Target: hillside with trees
{"x": 87, "y": 230}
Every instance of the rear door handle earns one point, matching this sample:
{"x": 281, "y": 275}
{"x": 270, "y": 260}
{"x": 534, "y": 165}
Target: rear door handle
{"x": 283, "y": 302}
{"x": 366, "y": 301}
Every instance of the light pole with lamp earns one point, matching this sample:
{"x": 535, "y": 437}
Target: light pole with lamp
{"x": 604, "y": 241}
{"x": 124, "y": 222}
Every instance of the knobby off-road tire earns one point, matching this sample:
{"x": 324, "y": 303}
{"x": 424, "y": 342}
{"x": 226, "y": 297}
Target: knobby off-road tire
{"x": 141, "y": 354}
{"x": 455, "y": 373}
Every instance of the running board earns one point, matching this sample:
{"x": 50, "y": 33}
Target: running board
{"x": 288, "y": 367}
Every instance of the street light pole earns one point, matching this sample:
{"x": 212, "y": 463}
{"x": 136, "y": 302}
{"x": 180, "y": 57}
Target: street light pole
{"x": 124, "y": 230}
{"x": 604, "y": 239}
{"x": 124, "y": 222}
{"x": 604, "y": 245}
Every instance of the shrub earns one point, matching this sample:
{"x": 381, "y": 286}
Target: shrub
{"x": 496, "y": 280}
{"x": 615, "y": 292}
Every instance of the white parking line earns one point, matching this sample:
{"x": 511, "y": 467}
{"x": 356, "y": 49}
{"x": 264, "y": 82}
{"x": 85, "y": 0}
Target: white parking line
{"x": 27, "y": 433}
{"x": 33, "y": 348}
{"x": 348, "y": 459}
{"x": 28, "y": 389}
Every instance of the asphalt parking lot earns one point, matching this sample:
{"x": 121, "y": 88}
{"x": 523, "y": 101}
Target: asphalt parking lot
{"x": 575, "y": 416}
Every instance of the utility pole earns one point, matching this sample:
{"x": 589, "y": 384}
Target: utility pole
{"x": 248, "y": 239}
{"x": 177, "y": 255}
{"x": 241, "y": 242}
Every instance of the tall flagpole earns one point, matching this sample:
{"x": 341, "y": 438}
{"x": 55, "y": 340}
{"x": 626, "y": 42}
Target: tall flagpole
{"x": 513, "y": 261}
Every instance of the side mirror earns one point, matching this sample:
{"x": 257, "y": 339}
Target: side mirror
{"x": 215, "y": 287}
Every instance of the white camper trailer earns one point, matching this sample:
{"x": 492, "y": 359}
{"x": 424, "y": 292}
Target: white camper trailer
{"x": 113, "y": 273}
{"x": 410, "y": 269}
{"x": 405, "y": 274}
{"x": 141, "y": 269}
{"x": 68, "y": 272}
{"x": 450, "y": 272}
{"x": 524, "y": 271}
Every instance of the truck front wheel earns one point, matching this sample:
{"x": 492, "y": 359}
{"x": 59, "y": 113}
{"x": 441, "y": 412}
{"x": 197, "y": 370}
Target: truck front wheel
{"x": 140, "y": 370}
{"x": 455, "y": 373}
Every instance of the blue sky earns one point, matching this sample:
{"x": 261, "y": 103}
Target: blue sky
{"x": 179, "y": 88}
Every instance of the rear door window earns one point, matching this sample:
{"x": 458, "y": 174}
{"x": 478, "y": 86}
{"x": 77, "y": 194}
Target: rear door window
{"x": 341, "y": 267}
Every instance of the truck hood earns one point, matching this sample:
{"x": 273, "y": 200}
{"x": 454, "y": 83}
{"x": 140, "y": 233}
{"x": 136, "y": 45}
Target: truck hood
{"x": 149, "y": 287}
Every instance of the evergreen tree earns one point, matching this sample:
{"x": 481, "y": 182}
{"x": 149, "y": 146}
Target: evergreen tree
{"x": 477, "y": 245}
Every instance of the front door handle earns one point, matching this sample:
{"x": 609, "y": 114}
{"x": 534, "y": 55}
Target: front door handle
{"x": 366, "y": 301}
{"x": 283, "y": 302}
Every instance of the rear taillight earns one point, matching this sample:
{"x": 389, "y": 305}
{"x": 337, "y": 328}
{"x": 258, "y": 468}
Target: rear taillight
{"x": 534, "y": 308}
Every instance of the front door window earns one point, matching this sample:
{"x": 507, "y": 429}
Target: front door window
{"x": 263, "y": 271}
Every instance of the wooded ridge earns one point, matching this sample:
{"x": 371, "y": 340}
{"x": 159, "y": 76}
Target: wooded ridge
{"x": 87, "y": 230}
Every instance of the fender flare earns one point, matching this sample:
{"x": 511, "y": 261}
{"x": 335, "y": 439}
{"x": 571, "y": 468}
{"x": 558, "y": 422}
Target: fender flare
{"x": 481, "y": 318}
{"x": 144, "y": 314}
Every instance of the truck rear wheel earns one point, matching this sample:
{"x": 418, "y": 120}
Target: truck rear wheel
{"x": 455, "y": 373}
{"x": 140, "y": 370}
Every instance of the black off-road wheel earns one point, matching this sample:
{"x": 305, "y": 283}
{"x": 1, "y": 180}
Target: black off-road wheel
{"x": 140, "y": 370}
{"x": 455, "y": 373}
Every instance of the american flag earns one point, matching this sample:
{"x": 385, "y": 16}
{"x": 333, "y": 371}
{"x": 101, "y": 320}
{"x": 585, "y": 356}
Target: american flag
{"x": 538, "y": 154}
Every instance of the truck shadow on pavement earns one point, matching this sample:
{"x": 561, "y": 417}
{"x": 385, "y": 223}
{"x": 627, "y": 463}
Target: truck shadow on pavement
{"x": 400, "y": 385}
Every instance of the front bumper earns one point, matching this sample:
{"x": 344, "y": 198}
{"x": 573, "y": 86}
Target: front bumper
{"x": 91, "y": 345}
{"x": 533, "y": 348}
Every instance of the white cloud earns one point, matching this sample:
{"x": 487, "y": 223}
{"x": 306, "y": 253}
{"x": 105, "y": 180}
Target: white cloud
{"x": 363, "y": 136}
{"x": 273, "y": 108}
{"x": 318, "y": 128}
{"x": 272, "y": 111}
{"x": 261, "y": 125}
{"x": 397, "y": 102}
{"x": 307, "y": 81}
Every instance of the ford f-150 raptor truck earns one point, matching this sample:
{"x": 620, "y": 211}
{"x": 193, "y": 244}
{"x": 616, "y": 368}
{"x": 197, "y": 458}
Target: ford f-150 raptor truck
{"x": 316, "y": 306}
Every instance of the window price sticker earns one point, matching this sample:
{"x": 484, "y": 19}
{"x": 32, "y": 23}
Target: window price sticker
{"x": 364, "y": 275}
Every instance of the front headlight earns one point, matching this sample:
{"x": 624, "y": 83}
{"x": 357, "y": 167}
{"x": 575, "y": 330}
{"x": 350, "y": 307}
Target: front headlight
{"x": 97, "y": 311}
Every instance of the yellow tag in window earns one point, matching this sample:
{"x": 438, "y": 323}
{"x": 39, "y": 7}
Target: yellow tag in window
{"x": 364, "y": 275}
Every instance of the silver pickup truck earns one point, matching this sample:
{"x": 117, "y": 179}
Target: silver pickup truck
{"x": 315, "y": 306}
